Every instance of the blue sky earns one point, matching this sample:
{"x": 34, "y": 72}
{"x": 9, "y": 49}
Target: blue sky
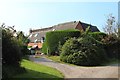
{"x": 35, "y": 15}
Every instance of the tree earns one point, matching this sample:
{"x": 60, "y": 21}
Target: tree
{"x": 111, "y": 26}
{"x": 10, "y": 48}
{"x": 23, "y": 41}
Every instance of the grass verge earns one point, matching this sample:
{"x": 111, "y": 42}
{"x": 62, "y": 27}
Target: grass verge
{"x": 57, "y": 59}
{"x": 109, "y": 62}
{"x": 34, "y": 70}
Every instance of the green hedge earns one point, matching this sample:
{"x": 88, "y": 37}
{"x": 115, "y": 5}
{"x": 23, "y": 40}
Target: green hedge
{"x": 97, "y": 35}
{"x": 44, "y": 48}
{"x": 54, "y": 37}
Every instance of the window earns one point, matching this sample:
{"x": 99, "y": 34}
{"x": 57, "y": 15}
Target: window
{"x": 35, "y": 40}
{"x": 53, "y": 30}
{"x": 30, "y": 35}
{"x": 42, "y": 39}
{"x": 36, "y": 34}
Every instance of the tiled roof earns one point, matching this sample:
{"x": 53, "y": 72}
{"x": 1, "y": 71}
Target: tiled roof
{"x": 92, "y": 28}
{"x": 67, "y": 25}
{"x": 38, "y": 44}
{"x": 36, "y": 35}
{"x": 43, "y": 29}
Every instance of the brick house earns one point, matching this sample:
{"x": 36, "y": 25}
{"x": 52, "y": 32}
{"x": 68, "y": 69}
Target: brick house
{"x": 37, "y": 36}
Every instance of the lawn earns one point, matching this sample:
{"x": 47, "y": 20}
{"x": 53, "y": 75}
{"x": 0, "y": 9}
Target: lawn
{"x": 54, "y": 58}
{"x": 57, "y": 59}
{"x": 34, "y": 70}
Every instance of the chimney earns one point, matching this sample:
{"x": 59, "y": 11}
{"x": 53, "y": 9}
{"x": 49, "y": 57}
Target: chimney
{"x": 74, "y": 21}
{"x": 30, "y": 31}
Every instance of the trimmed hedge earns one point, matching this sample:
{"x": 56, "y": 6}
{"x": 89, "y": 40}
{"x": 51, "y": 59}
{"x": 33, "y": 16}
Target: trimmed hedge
{"x": 44, "y": 48}
{"x": 97, "y": 35}
{"x": 85, "y": 51}
{"x": 54, "y": 37}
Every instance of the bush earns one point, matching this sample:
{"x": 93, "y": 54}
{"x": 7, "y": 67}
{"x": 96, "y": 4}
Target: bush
{"x": 112, "y": 46}
{"x": 83, "y": 51}
{"x": 11, "y": 52}
{"x": 97, "y": 35}
{"x": 25, "y": 50}
{"x": 54, "y": 37}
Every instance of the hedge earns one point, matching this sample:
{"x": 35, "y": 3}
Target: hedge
{"x": 54, "y": 37}
{"x": 97, "y": 35}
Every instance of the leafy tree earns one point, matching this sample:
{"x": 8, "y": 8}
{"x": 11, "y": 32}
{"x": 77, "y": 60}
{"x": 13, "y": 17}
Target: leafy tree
{"x": 111, "y": 27}
{"x": 23, "y": 41}
{"x": 10, "y": 48}
{"x": 22, "y": 38}
{"x": 11, "y": 52}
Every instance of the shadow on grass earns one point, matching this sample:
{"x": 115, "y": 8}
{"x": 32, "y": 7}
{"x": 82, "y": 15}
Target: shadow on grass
{"x": 34, "y": 75}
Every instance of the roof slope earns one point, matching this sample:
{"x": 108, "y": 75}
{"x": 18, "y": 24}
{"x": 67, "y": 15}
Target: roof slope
{"x": 36, "y": 35}
{"x": 67, "y": 25}
{"x": 92, "y": 28}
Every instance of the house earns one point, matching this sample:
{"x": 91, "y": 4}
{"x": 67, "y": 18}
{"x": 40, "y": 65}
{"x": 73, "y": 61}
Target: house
{"x": 37, "y": 36}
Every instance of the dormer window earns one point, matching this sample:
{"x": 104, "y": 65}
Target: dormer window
{"x": 30, "y": 35}
{"x": 35, "y": 40}
{"x": 53, "y": 30}
{"x": 36, "y": 35}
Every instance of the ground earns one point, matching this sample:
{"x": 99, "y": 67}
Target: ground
{"x": 70, "y": 71}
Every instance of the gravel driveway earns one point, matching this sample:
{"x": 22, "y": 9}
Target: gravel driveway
{"x": 80, "y": 71}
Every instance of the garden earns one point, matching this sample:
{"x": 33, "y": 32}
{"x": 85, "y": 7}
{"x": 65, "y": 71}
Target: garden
{"x": 84, "y": 48}
{"x": 16, "y": 64}
{"x": 65, "y": 46}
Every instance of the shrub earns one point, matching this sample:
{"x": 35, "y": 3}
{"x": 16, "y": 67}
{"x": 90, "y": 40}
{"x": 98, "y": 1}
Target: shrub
{"x": 83, "y": 51}
{"x": 24, "y": 50}
{"x": 54, "y": 37}
{"x": 112, "y": 46}
{"x": 97, "y": 35}
{"x": 10, "y": 49}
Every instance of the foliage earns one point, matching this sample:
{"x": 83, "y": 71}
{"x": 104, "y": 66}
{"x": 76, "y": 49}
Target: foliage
{"x": 44, "y": 48}
{"x": 83, "y": 51}
{"x": 119, "y": 32}
{"x": 8, "y": 71}
{"x": 112, "y": 40}
{"x": 23, "y": 41}
{"x": 112, "y": 46}
{"x": 97, "y": 35}
{"x": 112, "y": 27}
{"x": 54, "y": 37}
{"x": 10, "y": 49}
{"x": 13, "y": 49}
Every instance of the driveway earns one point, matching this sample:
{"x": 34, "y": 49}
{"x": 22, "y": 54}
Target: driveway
{"x": 70, "y": 71}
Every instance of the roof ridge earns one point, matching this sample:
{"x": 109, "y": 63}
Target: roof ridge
{"x": 41, "y": 29}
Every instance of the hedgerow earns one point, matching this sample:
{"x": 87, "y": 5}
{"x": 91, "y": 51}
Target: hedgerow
{"x": 54, "y": 37}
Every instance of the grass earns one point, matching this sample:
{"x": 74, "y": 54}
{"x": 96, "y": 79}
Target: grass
{"x": 34, "y": 70}
{"x": 109, "y": 62}
{"x": 54, "y": 58}
{"x": 57, "y": 59}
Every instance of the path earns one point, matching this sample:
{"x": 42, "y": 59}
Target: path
{"x": 78, "y": 71}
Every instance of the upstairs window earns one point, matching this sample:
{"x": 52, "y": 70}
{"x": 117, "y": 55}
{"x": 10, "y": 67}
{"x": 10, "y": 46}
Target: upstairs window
{"x": 36, "y": 35}
{"x": 35, "y": 40}
{"x": 30, "y": 36}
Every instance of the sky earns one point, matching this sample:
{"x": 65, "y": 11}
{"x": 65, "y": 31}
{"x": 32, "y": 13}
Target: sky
{"x": 37, "y": 14}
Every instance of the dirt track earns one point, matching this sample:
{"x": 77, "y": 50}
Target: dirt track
{"x": 69, "y": 71}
